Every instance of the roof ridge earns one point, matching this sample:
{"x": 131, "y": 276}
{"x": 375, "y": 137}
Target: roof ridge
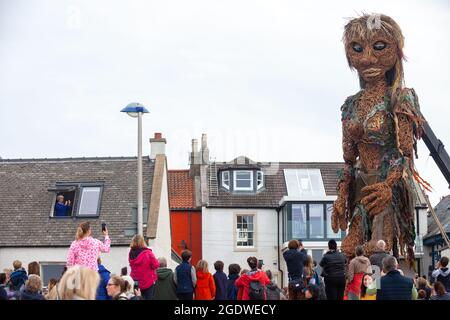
{"x": 70, "y": 159}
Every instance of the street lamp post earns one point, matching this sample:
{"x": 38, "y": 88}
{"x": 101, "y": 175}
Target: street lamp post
{"x": 136, "y": 110}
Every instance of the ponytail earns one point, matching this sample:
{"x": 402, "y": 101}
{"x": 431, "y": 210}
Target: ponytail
{"x": 82, "y": 230}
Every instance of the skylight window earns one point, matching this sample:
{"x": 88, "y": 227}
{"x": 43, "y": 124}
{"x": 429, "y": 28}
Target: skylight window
{"x": 303, "y": 183}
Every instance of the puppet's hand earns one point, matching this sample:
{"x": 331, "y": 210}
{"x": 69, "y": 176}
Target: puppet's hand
{"x": 376, "y": 197}
{"x": 338, "y": 219}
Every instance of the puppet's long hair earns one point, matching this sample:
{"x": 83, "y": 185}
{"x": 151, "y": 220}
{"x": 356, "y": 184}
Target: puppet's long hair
{"x": 362, "y": 28}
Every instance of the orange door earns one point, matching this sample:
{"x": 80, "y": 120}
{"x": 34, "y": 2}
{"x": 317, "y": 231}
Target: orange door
{"x": 187, "y": 233}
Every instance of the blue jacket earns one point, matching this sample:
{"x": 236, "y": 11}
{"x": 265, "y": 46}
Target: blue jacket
{"x": 18, "y": 278}
{"x": 61, "y": 210}
{"x": 26, "y": 295}
{"x": 102, "y": 294}
{"x": 295, "y": 261}
{"x": 3, "y": 294}
{"x": 184, "y": 278}
{"x": 220, "y": 280}
{"x": 394, "y": 286}
{"x": 231, "y": 288}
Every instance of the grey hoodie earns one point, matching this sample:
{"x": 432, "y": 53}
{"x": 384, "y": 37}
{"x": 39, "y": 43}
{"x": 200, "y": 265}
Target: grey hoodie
{"x": 359, "y": 264}
{"x": 440, "y": 272}
{"x": 442, "y": 275}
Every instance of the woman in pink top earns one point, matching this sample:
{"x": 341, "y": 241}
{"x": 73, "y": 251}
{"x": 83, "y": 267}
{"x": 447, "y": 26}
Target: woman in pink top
{"x": 143, "y": 265}
{"x": 84, "y": 250}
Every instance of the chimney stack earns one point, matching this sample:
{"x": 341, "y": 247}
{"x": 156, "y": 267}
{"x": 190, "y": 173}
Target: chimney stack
{"x": 204, "y": 151}
{"x": 194, "y": 145}
{"x": 157, "y": 145}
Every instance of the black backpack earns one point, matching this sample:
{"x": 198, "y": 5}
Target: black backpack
{"x": 256, "y": 290}
{"x": 272, "y": 292}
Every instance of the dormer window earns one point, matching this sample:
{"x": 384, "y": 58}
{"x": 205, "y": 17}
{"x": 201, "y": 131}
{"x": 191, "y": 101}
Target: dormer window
{"x": 226, "y": 179}
{"x": 243, "y": 180}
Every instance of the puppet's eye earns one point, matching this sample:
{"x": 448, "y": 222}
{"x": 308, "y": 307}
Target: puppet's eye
{"x": 380, "y": 45}
{"x": 357, "y": 47}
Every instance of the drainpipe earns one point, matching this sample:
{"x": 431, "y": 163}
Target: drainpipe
{"x": 278, "y": 246}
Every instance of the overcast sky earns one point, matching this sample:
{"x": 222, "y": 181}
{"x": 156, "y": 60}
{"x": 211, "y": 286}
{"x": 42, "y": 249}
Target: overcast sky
{"x": 264, "y": 79}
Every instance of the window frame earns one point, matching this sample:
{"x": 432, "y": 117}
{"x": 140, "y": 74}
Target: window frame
{"x": 42, "y": 264}
{"x": 236, "y": 188}
{"x": 287, "y": 212}
{"x": 99, "y": 201}
{"x": 77, "y": 198}
{"x": 223, "y": 179}
{"x": 310, "y": 172}
{"x": 259, "y": 185}
{"x": 241, "y": 248}
{"x": 57, "y": 189}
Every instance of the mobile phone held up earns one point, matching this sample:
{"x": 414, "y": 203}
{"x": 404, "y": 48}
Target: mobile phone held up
{"x": 136, "y": 285}
{"x": 103, "y": 227}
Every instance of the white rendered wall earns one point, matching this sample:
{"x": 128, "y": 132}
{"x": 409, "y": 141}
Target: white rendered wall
{"x": 218, "y": 238}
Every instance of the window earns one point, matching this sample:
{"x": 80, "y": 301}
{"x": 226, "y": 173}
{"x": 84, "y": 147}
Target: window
{"x": 298, "y": 219}
{"x": 226, "y": 179}
{"x": 90, "y": 200}
{"x": 243, "y": 180}
{"x": 316, "y": 221}
{"x": 51, "y": 270}
{"x": 76, "y": 199}
{"x": 309, "y": 221}
{"x": 63, "y": 200}
{"x": 132, "y": 229}
{"x": 245, "y": 231}
{"x": 260, "y": 179}
{"x": 304, "y": 183}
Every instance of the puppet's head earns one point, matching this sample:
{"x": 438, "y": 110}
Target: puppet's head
{"x": 373, "y": 45}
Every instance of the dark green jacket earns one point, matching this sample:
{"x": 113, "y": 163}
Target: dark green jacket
{"x": 165, "y": 288}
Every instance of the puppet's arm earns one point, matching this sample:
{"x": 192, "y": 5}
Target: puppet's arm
{"x": 339, "y": 218}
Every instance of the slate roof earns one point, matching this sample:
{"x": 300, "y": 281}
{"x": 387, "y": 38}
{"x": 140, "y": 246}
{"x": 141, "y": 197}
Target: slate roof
{"x": 274, "y": 182}
{"x": 442, "y": 210}
{"x": 25, "y": 202}
{"x": 181, "y": 190}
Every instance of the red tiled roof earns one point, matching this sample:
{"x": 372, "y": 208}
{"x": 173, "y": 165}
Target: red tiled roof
{"x": 181, "y": 190}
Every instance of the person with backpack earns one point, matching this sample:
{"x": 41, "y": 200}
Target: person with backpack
{"x": 233, "y": 275}
{"x": 295, "y": 258}
{"x": 254, "y": 282}
{"x": 272, "y": 290}
{"x": 442, "y": 273}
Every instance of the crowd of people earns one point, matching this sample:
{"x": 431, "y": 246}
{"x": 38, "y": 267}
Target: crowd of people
{"x": 375, "y": 278}
{"x": 86, "y": 278}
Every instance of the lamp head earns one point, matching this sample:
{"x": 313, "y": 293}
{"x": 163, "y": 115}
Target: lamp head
{"x": 133, "y": 109}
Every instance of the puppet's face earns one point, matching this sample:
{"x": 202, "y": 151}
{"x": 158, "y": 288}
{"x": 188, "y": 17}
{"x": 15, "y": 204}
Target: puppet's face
{"x": 372, "y": 57}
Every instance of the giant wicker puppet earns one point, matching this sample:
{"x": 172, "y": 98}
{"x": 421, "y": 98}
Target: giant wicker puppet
{"x": 380, "y": 125}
